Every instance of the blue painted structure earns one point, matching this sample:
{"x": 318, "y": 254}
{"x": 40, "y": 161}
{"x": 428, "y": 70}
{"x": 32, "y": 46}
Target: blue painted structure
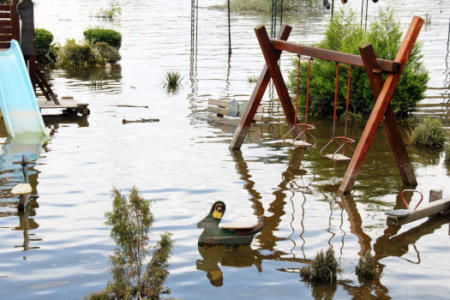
{"x": 18, "y": 103}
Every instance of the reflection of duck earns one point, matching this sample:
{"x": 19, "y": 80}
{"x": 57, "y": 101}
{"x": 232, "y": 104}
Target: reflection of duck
{"x": 230, "y": 234}
{"x": 240, "y": 257}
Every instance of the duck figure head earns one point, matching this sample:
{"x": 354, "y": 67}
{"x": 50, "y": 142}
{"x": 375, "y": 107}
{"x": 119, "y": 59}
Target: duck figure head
{"x": 214, "y": 217}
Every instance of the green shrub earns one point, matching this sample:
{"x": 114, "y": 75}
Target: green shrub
{"x": 109, "y": 36}
{"x": 343, "y": 34}
{"x": 429, "y": 134}
{"x": 109, "y": 53}
{"x": 45, "y": 51}
{"x": 78, "y": 55}
{"x": 366, "y": 267}
{"x": 323, "y": 268}
{"x": 109, "y": 13}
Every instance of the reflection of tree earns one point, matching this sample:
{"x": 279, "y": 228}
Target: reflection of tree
{"x": 131, "y": 221}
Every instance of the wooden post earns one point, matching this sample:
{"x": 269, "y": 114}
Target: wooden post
{"x": 380, "y": 107}
{"x": 15, "y": 23}
{"x": 255, "y": 99}
{"x": 395, "y": 139}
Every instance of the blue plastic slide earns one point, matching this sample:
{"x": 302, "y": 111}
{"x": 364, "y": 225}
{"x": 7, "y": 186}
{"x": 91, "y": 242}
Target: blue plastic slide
{"x": 18, "y": 103}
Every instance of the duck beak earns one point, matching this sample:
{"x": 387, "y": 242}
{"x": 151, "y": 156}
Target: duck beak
{"x": 217, "y": 214}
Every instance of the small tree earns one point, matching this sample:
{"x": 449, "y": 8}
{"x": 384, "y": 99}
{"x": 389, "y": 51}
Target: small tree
{"x": 131, "y": 221}
{"x": 343, "y": 34}
{"x": 429, "y": 134}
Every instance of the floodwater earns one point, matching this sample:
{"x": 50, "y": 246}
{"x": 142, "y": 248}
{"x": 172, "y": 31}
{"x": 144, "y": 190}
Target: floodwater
{"x": 59, "y": 248}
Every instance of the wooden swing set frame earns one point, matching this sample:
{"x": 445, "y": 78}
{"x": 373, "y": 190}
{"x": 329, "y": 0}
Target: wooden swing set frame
{"x": 382, "y": 91}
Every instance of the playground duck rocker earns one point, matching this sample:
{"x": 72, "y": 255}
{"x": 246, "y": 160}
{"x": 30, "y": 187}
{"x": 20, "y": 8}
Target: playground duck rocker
{"x": 229, "y": 234}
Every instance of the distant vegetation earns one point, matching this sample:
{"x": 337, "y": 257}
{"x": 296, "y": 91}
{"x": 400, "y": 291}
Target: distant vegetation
{"x": 101, "y": 47}
{"x": 110, "y": 13}
{"x": 345, "y": 34}
{"x": 266, "y": 5}
{"x": 130, "y": 222}
{"x": 429, "y": 134}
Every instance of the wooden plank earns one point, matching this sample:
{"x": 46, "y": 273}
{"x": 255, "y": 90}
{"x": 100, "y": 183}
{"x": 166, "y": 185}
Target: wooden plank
{"x": 4, "y": 45}
{"x": 4, "y": 7}
{"x": 218, "y": 102}
{"x": 332, "y": 55}
{"x": 5, "y": 14}
{"x": 337, "y": 157}
{"x": 380, "y": 107}
{"x": 423, "y": 211}
{"x": 5, "y": 23}
{"x": 218, "y": 110}
{"x": 5, "y": 38}
{"x": 255, "y": 99}
{"x": 5, "y": 30}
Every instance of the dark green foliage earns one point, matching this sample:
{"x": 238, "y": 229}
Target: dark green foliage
{"x": 366, "y": 267}
{"x": 343, "y": 34}
{"x": 131, "y": 221}
{"x": 109, "y": 36}
{"x": 45, "y": 51}
{"x": 429, "y": 134}
{"x": 323, "y": 268}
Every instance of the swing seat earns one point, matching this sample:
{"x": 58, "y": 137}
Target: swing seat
{"x": 337, "y": 157}
{"x": 298, "y": 143}
{"x": 300, "y": 140}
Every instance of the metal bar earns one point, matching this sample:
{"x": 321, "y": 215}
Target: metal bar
{"x": 332, "y": 55}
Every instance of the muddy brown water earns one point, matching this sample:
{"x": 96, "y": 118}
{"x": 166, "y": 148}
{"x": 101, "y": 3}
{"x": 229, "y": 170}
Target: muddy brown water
{"x": 59, "y": 249}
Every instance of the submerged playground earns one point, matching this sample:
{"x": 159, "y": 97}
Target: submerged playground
{"x": 236, "y": 133}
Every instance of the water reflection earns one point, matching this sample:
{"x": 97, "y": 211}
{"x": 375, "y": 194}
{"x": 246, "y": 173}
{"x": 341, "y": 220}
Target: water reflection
{"x": 11, "y": 174}
{"x": 296, "y": 181}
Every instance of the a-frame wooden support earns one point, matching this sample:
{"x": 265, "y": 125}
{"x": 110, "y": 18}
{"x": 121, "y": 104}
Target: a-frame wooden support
{"x": 383, "y": 92}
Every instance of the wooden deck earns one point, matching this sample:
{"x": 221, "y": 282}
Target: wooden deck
{"x": 67, "y": 104}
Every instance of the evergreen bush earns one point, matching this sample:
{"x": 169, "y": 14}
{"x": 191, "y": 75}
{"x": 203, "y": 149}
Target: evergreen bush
{"x": 109, "y": 36}
{"x": 45, "y": 52}
{"x": 344, "y": 34}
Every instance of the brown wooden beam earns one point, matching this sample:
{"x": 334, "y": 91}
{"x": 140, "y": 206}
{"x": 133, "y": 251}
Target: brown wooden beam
{"x": 390, "y": 125}
{"x": 275, "y": 73}
{"x": 255, "y": 99}
{"x": 15, "y": 22}
{"x": 380, "y": 107}
{"x": 332, "y": 55}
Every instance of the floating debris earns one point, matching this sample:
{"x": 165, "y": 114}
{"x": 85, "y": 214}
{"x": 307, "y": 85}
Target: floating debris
{"x": 125, "y": 121}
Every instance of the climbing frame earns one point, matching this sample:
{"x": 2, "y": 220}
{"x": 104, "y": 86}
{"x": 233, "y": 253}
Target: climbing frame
{"x": 382, "y": 91}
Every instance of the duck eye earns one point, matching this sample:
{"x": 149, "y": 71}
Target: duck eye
{"x": 219, "y": 208}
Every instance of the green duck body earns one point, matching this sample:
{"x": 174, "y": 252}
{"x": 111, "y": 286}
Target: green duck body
{"x": 231, "y": 235}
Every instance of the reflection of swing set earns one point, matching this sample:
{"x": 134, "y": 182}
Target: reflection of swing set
{"x": 382, "y": 90}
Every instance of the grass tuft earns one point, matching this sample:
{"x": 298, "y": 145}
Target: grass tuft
{"x": 366, "y": 267}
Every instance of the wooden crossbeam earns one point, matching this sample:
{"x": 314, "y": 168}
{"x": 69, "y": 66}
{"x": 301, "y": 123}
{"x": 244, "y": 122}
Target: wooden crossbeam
{"x": 379, "y": 111}
{"x": 332, "y": 55}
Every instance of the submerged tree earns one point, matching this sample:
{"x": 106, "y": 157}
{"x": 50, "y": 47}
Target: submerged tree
{"x": 131, "y": 221}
